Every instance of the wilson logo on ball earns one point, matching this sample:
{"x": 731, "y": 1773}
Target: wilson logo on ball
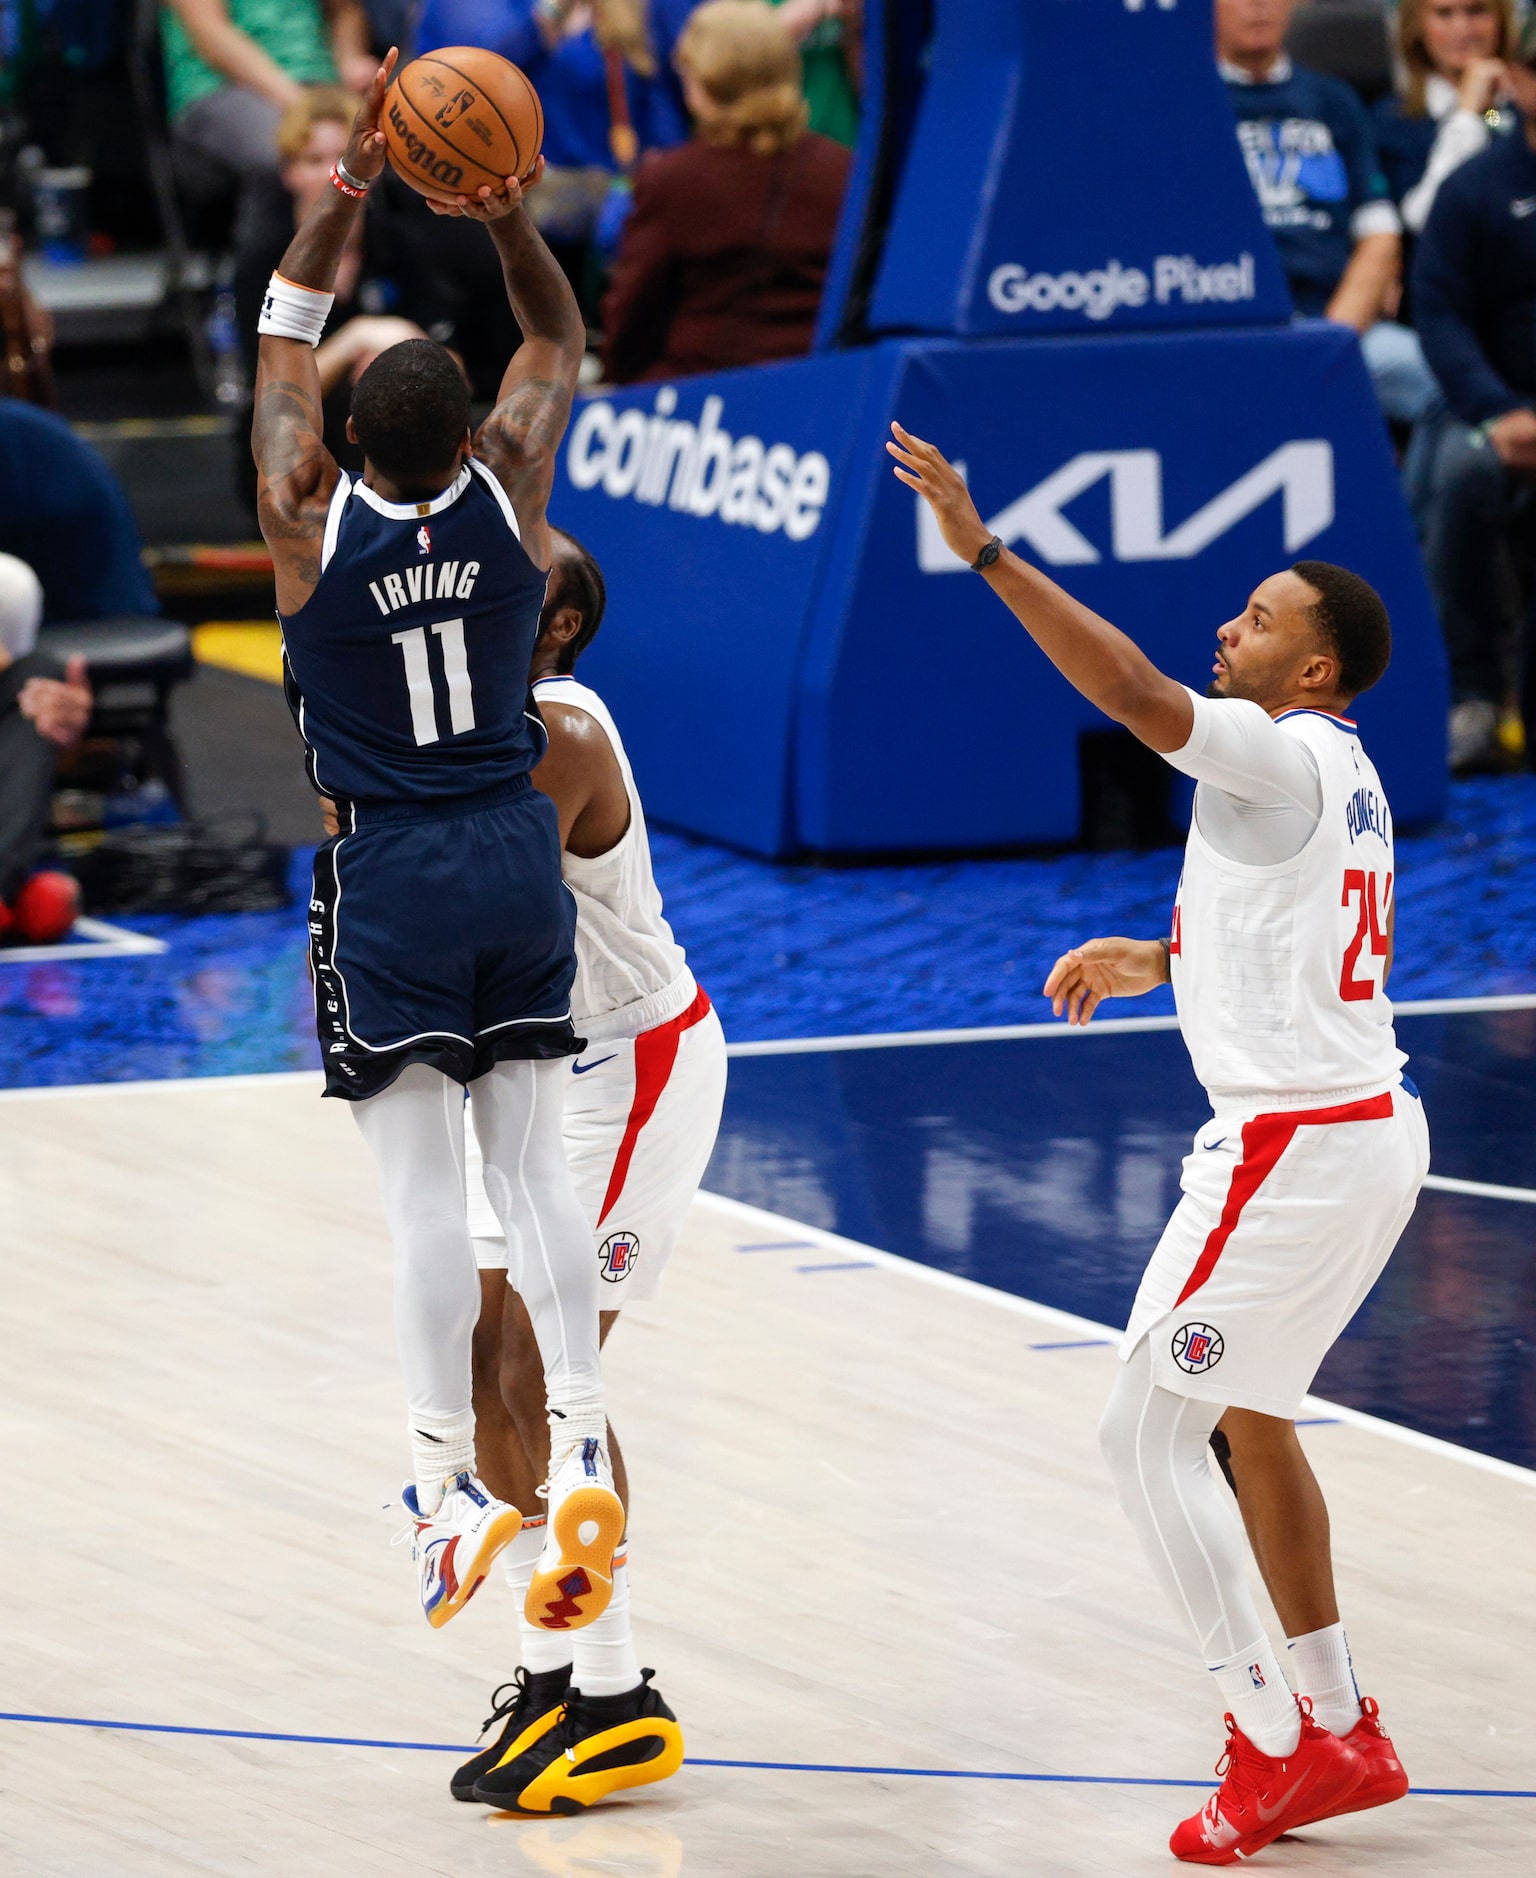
{"x": 421, "y": 155}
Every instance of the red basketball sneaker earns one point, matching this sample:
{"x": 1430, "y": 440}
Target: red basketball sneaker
{"x": 1263, "y": 1795}
{"x": 1384, "y": 1780}
{"x": 45, "y": 908}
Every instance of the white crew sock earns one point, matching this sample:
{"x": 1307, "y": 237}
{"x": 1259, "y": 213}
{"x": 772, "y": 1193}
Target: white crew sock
{"x": 441, "y": 1446}
{"x": 604, "y": 1660}
{"x": 1254, "y": 1688}
{"x": 540, "y": 1649}
{"x": 572, "y": 1421}
{"x": 1325, "y": 1672}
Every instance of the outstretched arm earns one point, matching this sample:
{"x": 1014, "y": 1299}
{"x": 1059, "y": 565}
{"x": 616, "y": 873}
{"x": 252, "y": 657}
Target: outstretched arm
{"x": 1109, "y": 669}
{"x": 295, "y": 473}
{"x": 520, "y": 438}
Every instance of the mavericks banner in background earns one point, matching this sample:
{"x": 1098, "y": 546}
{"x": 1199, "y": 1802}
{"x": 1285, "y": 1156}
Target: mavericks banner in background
{"x": 1075, "y": 168}
{"x": 798, "y": 664}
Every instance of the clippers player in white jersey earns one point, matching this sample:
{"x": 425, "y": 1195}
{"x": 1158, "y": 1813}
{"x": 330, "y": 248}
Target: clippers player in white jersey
{"x": 642, "y": 1109}
{"x": 1298, "y": 1188}
{"x": 441, "y": 936}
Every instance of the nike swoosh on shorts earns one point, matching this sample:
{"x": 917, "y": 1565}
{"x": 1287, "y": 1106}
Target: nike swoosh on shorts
{"x": 580, "y": 1069}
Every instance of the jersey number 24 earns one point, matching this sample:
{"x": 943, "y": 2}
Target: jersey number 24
{"x": 1375, "y": 904}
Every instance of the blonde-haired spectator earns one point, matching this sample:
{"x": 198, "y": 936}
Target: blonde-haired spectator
{"x": 1451, "y": 56}
{"x": 723, "y": 260}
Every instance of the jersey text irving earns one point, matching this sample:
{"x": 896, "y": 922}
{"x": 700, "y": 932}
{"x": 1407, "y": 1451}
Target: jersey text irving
{"x": 446, "y": 580}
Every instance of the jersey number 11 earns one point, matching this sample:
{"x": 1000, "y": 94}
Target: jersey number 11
{"x": 418, "y": 680}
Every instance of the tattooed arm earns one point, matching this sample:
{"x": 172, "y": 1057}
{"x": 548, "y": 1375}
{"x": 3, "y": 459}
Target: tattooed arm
{"x": 295, "y": 473}
{"x": 521, "y": 436}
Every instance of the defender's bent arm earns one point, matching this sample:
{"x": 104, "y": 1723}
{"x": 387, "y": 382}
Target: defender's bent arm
{"x": 1083, "y": 978}
{"x": 1109, "y": 669}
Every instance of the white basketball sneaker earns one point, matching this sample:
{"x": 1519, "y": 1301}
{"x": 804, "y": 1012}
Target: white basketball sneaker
{"x": 574, "y": 1578}
{"x": 457, "y": 1545}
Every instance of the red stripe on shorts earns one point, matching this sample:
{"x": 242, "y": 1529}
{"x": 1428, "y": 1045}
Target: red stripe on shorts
{"x": 1265, "y": 1139}
{"x": 655, "y": 1053}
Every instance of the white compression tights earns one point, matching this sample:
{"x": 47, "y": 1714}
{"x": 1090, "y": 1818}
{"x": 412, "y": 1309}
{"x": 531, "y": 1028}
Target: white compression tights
{"x": 1157, "y": 1446}
{"x": 415, "y": 1129}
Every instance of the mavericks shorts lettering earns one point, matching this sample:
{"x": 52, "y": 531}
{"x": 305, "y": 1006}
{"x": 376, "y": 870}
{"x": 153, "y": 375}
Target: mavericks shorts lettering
{"x": 441, "y": 933}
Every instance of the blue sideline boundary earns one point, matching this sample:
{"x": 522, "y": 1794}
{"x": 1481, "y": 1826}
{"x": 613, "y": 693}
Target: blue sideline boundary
{"x": 775, "y": 1767}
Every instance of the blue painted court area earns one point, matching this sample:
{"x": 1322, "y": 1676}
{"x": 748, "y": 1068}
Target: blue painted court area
{"x": 1046, "y": 1166}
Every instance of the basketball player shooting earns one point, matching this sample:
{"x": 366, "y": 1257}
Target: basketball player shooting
{"x": 1298, "y": 1188}
{"x": 441, "y": 937}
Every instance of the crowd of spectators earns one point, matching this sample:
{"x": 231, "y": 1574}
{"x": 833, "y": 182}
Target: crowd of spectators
{"x": 1445, "y": 167}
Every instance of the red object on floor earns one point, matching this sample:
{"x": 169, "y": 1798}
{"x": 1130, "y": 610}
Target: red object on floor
{"x": 45, "y": 908}
{"x": 1263, "y": 1795}
{"x": 1385, "y": 1779}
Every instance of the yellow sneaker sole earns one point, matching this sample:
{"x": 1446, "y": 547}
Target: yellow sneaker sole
{"x": 587, "y": 1528}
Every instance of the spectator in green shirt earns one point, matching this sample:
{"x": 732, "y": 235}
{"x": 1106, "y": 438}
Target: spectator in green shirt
{"x": 830, "y": 35}
{"x": 232, "y": 67}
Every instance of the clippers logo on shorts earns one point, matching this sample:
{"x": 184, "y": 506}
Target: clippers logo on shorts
{"x": 618, "y": 1255}
{"x": 1197, "y": 1348}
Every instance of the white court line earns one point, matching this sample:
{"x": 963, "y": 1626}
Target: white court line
{"x": 1481, "y": 1188}
{"x": 760, "y": 1220}
{"x": 103, "y": 942}
{"x": 1059, "y": 1027}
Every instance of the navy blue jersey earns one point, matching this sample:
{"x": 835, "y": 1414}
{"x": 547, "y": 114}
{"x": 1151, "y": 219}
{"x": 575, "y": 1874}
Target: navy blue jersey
{"x": 407, "y": 667}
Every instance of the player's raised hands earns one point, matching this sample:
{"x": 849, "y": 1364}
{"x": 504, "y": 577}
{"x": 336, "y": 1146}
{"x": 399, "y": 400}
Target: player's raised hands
{"x": 489, "y": 205}
{"x": 923, "y": 468}
{"x": 365, "y": 147}
{"x": 1083, "y": 978}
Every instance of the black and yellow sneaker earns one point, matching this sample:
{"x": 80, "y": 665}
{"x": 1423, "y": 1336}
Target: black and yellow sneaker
{"x": 601, "y": 1744}
{"x": 530, "y": 1706}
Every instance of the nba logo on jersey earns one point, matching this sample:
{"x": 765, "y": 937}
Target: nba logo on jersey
{"x": 1197, "y": 1348}
{"x": 423, "y": 539}
{"x": 618, "y": 1255}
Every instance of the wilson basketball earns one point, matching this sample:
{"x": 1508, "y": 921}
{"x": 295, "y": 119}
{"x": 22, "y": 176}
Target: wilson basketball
{"x": 459, "y": 118}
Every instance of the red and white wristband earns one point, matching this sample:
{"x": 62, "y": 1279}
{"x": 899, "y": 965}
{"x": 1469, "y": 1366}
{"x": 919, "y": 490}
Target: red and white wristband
{"x": 347, "y": 183}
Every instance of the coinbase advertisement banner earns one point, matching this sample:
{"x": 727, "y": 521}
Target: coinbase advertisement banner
{"x": 1075, "y": 168}
{"x": 796, "y": 660}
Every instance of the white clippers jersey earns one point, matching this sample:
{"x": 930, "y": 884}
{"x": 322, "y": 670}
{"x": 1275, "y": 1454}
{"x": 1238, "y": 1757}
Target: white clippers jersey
{"x": 1277, "y": 970}
{"x": 631, "y": 974}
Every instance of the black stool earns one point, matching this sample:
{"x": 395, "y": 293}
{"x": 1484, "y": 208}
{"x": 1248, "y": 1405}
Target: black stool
{"x": 134, "y": 663}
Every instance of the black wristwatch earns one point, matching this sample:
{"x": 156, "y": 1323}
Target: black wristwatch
{"x": 988, "y": 555}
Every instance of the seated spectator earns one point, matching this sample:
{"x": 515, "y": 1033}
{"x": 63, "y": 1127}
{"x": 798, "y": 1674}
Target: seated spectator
{"x": 723, "y": 260}
{"x": 830, "y": 35}
{"x": 1312, "y": 157}
{"x": 44, "y": 708}
{"x": 232, "y": 67}
{"x": 63, "y": 513}
{"x": 385, "y": 291}
{"x": 1450, "y": 56}
{"x": 564, "y": 47}
{"x": 1475, "y": 289}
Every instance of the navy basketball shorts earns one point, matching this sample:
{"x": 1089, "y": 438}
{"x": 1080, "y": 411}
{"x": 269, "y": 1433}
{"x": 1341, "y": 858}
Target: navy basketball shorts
{"x": 441, "y": 933}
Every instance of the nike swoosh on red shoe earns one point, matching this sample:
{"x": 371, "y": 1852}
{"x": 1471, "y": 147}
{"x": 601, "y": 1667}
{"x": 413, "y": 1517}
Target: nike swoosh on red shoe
{"x": 1269, "y": 1814}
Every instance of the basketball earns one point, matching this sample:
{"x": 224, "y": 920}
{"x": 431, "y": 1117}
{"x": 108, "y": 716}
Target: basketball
{"x": 459, "y": 118}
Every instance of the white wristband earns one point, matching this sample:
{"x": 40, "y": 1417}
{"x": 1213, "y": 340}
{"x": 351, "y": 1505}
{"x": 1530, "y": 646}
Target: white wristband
{"x": 293, "y": 312}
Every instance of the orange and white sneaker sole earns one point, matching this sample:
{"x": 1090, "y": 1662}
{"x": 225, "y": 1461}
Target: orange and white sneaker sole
{"x": 586, "y": 1529}
{"x": 498, "y": 1535}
